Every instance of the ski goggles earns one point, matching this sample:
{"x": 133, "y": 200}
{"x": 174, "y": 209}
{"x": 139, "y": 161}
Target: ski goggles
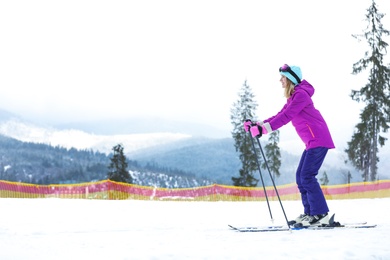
{"x": 286, "y": 68}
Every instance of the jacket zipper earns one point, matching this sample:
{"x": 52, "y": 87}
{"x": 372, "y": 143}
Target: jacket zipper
{"x": 310, "y": 130}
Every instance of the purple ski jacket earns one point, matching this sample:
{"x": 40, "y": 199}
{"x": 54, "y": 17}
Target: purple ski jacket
{"x": 307, "y": 120}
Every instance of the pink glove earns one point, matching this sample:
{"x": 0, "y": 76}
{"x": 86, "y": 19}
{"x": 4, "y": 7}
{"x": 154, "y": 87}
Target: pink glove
{"x": 258, "y": 131}
{"x": 247, "y": 125}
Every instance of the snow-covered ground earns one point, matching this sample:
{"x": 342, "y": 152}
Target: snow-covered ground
{"x": 92, "y": 229}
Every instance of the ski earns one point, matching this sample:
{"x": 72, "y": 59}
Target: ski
{"x": 332, "y": 225}
{"x": 285, "y": 228}
{"x": 260, "y": 229}
{"x": 345, "y": 226}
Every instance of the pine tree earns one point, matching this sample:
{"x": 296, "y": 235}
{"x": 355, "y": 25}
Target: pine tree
{"x": 118, "y": 167}
{"x": 363, "y": 148}
{"x": 244, "y": 109}
{"x": 272, "y": 152}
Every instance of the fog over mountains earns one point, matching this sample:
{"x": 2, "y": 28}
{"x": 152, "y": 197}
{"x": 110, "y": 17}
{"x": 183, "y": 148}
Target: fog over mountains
{"x": 185, "y": 146}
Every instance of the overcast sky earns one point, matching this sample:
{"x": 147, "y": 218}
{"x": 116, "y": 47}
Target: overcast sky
{"x": 73, "y": 60}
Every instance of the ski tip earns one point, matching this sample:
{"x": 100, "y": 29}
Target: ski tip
{"x": 233, "y": 227}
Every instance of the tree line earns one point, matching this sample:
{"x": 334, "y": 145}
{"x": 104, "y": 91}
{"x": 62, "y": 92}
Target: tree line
{"x": 43, "y": 164}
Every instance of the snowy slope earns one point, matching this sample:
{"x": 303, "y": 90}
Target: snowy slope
{"x": 128, "y": 229}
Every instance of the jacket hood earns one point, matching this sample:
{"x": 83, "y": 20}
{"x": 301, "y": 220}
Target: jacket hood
{"x": 306, "y": 86}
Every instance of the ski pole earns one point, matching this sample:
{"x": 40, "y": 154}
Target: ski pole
{"x": 273, "y": 182}
{"x": 261, "y": 176}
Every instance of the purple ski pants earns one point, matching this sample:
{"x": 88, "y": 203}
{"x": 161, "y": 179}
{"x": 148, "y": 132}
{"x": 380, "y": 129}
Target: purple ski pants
{"x": 313, "y": 198}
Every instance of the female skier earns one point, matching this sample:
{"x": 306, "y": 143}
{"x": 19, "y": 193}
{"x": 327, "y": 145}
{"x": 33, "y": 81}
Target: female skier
{"x": 313, "y": 131}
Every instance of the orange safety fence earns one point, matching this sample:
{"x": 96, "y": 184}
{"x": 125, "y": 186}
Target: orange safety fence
{"x": 109, "y": 190}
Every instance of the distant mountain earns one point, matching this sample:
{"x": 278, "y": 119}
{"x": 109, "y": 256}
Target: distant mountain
{"x": 203, "y": 157}
{"x": 46, "y": 155}
{"x": 72, "y": 138}
{"x": 44, "y": 164}
{"x": 214, "y": 159}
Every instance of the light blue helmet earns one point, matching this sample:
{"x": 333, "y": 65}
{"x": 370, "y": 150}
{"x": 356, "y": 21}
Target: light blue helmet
{"x": 293, "y": 73}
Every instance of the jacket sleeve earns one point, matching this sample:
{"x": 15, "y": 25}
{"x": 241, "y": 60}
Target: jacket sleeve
{"x": 298, "y": 101}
